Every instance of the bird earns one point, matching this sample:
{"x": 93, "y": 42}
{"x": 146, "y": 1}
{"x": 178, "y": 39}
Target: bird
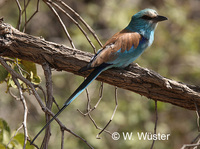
{"x": 119, "y": 51}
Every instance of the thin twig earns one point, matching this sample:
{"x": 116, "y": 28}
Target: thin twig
{"x": 62, "y": 138}
{"x": 88, "y": 101}
{"x": 24, "y": 124}
{"x": 26, "y": 5}
{"x": 25, "y": 111}
{"x": 14, "y": 135}
{"x": 196, "y": 138}
{"x": 89, "y": 110}
{"x": 156, "y": 121}
{"x": 36, "y": 11}
{"x": 198, "y": 114}
{"x": 193, "y": 144}
{"x": 100, "y": 97}
{"x": 20, "y": 15}
{"x": 116, "y": 105}
{"x": 76, "y": 23}
{"x": 95, "y": 124}
{"x": 189, "y": 145}
{"x": 56, "y": 103}
{"x": 62, "y": 24}
{"x": 82, "y": 20}
{"x": 25, "y": 16}
{"x": 18, "y": 67}
{"x": 43, "y": 92}
{"x": 33, "y": 144}
{"x": 14, "y": 96}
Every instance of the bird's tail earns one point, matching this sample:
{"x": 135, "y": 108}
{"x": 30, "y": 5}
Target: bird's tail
{"x": 94, "y": 74}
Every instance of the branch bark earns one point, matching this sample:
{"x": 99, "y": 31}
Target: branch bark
{"x": 14, "y": 43}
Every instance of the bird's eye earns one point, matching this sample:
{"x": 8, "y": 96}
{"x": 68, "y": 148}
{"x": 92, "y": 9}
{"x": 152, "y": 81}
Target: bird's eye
{"x": 145, "y": 17}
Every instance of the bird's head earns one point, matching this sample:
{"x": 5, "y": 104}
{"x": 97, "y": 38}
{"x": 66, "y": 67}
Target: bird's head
{"x": 145, "y": 21}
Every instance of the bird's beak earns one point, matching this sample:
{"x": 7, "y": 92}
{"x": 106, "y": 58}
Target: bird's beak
{"x": 160, "y": 18}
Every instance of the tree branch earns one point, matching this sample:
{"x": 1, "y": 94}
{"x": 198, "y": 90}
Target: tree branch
{"x": 49, "y": 102}
{"x": 14, "y": 43}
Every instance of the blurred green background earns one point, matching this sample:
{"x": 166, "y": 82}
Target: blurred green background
{"x": 174, "y": 54}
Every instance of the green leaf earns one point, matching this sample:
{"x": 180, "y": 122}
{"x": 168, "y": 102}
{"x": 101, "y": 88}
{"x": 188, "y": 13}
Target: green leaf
{"x": 3, "y": 73}
{"x": 11, "y": 83}
{"x": 2, "y": 146}
{"x": 19, "y": 139}
{"x": 36, "y": 79}
{"x": 5, "y": 135}
{"x": 4, "y": 131}
{"x": 30, "y": 67}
